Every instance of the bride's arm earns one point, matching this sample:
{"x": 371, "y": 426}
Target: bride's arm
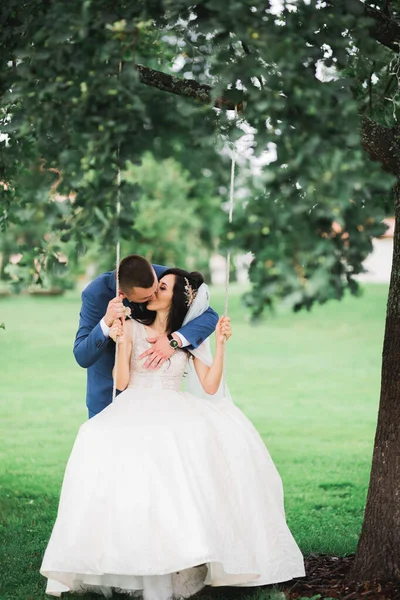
{"x": 124, "y": 332}
{"x": 210, "y": 377}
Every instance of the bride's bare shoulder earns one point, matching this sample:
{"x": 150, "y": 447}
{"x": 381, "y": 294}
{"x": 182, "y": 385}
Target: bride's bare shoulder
{"x": 133, "y": 326}
{"x": 129, "y": 327}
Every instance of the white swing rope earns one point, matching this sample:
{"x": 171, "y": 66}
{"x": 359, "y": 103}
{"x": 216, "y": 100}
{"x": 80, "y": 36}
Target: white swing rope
{"x": 117, "y": 251}
{"x": 230, "y": 220}
{"x": 117, "y": 261}
{"x": 228, "y": 255}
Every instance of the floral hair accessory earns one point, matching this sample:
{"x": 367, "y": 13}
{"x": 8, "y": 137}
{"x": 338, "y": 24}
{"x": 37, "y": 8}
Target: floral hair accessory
{"x": 190, "y": 293}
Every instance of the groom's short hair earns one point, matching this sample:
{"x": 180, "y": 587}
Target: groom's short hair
{"x": 135, "y": 271}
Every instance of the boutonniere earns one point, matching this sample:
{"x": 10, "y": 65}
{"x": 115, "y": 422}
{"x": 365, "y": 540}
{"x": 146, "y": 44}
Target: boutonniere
{"x": 127, "y": 312}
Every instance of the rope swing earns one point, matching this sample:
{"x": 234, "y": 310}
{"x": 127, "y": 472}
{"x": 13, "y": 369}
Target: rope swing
{"x": 117, "y": 261}
{"x": 117, "y": 248}
{"x": 230, "y": 220}
{"x": 228, "y": 255}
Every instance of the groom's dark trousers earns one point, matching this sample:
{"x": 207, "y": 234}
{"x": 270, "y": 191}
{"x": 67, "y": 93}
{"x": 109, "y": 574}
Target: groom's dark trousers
{"x": 95, "y": 352}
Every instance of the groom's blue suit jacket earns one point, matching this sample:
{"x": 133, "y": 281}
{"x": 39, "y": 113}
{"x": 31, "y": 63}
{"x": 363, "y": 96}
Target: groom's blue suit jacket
{"x": 96, "y": 353}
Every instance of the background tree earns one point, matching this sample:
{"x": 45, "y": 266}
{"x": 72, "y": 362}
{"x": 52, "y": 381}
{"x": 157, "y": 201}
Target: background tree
{"x": 31, "y": 251}
{"x": 80, "y": 92}
{"x": 176, "y": 219}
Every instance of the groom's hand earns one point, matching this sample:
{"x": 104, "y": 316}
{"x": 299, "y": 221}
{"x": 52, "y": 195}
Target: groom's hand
{"x": 159, "y": 352}
{"x": 115, "y": 310}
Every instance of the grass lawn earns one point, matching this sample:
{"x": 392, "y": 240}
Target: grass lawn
{"x": 309, "y": 382}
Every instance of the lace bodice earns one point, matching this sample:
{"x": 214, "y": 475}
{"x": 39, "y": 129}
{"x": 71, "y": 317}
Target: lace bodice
{"x": 168, "y": 376}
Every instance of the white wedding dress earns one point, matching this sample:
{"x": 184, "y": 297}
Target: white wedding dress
{"x": 165, "y": 492}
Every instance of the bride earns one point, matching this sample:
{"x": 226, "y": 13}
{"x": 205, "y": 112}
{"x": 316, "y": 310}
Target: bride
{"x": 166, "y": 491}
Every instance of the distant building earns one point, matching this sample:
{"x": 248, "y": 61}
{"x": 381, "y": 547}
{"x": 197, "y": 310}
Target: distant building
{"x": 378, "y": 264}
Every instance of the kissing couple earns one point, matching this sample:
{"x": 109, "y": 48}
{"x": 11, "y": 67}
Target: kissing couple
{"x": 167, "y": 489}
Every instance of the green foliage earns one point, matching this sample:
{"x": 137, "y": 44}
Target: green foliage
{"x": 167, "y": 227}
{"x": 176, "y": 220}
{"x": 72, "y": 100}
{"x": 42, "y": 257}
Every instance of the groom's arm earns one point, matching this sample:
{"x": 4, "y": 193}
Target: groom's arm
{"x": 90, "y": 341}
{"x": 198, "y": 330}
{"x": 193, "y": 334}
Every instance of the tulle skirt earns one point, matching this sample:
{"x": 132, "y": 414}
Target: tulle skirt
{"x": 165, "y": 493}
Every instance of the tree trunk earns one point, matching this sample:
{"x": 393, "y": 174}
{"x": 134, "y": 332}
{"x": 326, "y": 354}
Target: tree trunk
{"x": 378, "y": 552}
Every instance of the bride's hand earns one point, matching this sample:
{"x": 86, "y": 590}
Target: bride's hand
{"x": 117, "y": 331}
{"x": 223, "y": 330}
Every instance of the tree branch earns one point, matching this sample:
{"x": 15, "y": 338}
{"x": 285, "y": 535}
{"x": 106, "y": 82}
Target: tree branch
{"x": 188, "y": 88}
{"x": 385, "y": 29}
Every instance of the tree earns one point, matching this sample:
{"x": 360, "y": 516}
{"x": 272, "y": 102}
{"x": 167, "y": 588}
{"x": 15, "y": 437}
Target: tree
{"x": 40, "y": 256}
{"x": 309, "y": 217}
{"x": 176, "y": 219}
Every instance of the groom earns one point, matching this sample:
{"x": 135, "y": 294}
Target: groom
{"x": 93, "y": 348}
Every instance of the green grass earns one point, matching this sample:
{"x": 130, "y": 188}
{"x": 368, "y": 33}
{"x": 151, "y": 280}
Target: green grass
{"x": 309, "y": 382}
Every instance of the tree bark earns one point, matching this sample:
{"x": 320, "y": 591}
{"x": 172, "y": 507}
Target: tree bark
{"x": 382, "y": 144}
{"x": 378, "y": 552}
{"x": 385, "y": 29}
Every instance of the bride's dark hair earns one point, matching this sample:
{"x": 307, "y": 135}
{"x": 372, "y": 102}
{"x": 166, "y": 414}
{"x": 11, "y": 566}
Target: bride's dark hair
{"x": 179, "y": 307}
